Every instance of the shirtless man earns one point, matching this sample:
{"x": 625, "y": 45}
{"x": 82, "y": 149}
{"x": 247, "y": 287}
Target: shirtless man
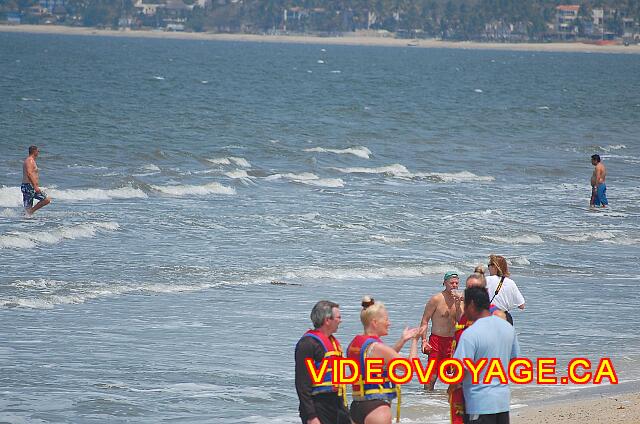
{"x": 442, "y": 310}
{"x": 598, "y": 186}
{"x": 30, "y": 183}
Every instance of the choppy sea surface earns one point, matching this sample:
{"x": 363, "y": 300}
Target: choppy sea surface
{"x": 188, "y": 177}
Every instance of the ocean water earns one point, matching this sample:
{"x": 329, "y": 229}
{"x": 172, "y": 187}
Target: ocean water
{"x": 188, "y": 177}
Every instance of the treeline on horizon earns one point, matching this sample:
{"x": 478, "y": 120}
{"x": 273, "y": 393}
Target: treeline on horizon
{"x": 447, "y": 19}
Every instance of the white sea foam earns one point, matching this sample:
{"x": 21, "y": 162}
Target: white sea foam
{"x": 79, "y": 166}
{"x": 543, "y": 108}
{"x": 395, "y": 170}
{"x": 455, "y": 177}
{"x": 11, "y": 213}
{"x": 519, "y": 260}
{"x": 611, "y": 147}
{"x": 240, "y": 162}
{"x": 151, "y": 167}
{"x": 237, "y": 174}
{"x": 220, "y": 161}
{"x": 10, "y": 197}
{"x": 49, "y": 293}
{"x": 521, "y": 239}
{"x": 97, "y": 194}
{"x": 28, "y": 240}
{"x": 587, "y": 236}
{"x": 158, "y": 77}
{"x": 201, "y": 190}
{"x": 388, "y": 239}
{"x": 309, "y": 179}
{"x": 359, "y": 151}
{"x": 623, "y": 240}
{"x": 400, "y": 171}
{"x": 231, "y": 159}
{"x": 373, "y": 274}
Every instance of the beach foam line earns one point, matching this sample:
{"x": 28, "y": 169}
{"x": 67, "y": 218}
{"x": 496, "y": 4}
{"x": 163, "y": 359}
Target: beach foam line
{"x": 359, "y": 151}
{"x": 308, "y": 178}
{"x": 201, "y": 190}
{"x": 28, "y": 240}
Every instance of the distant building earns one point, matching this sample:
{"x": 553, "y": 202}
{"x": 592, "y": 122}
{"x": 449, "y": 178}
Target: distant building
{"x": 49, "y": 6}
{"x": 14, "y": 18}
{"x": 595, "y": 27}
{"x": 630, "y": 28}
{"x": 147, "y": 9}
{"x": 566, "y": 20}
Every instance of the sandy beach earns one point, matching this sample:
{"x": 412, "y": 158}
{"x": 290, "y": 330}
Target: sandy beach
{"x": 606, "y": 408}
{"x": 353, "y": 40}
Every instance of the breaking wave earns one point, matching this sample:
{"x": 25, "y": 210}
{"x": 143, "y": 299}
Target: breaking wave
{"x": 373, "y": 274}
{"x": 359, "y": 151}
{"x": 28, "y": 240}
{"x": 229, "y": 160}
{"x": 523, "y": 239}
{"x": 400, "y": 171}
{"x": 10, "y": 197}
{"x": 395, "y": 170}
{"x": 308, "y": 179}
{"x": 97, "y": 194}
{"x": 201, "y": 190}
{"x": 46, "y": 294}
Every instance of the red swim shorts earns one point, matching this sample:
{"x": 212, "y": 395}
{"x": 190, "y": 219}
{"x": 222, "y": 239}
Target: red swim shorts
{"x": 442, "y": 349}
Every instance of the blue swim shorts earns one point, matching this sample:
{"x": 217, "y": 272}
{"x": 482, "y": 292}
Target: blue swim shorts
{"x": 29, "y": 195}
{"x": 601, "y": 195}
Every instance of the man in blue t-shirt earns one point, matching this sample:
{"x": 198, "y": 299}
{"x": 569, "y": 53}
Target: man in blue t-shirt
{"x": 492, "y": 338}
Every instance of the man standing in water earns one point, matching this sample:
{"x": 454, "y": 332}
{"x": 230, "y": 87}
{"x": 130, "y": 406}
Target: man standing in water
{"x": 30, "y": 183}
{"x": 323, "y": 402}
{"x": 442, "y": 310}
{"x": 598, "y": 186}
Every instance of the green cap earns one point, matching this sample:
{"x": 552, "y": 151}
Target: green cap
{"x": 450, "y": 274}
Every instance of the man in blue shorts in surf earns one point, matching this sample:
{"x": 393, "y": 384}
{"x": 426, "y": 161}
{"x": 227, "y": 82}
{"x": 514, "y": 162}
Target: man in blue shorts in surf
{"x": 30, "y": 183}
{"x": 598, "y": 186}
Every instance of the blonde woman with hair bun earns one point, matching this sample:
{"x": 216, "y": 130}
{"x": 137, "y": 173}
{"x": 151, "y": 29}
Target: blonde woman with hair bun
{"x": 372, "y": 402}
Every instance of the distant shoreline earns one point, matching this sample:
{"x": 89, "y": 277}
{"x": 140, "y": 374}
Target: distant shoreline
{"x": 345, "y": 40}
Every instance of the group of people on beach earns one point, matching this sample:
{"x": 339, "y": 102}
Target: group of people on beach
{"x": 472, "y": 324}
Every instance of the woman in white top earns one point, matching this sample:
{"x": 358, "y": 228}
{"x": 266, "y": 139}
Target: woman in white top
{"x": 502, "y": 289}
